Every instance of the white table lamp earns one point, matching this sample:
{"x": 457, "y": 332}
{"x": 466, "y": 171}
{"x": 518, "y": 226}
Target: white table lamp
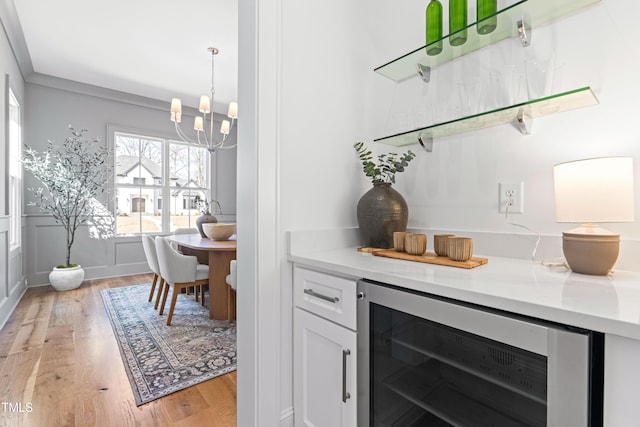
{"x": 593, "y": 191}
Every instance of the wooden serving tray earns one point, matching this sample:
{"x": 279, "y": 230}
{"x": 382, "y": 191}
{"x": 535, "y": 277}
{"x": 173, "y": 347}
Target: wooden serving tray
{"x": 427, "y": 257}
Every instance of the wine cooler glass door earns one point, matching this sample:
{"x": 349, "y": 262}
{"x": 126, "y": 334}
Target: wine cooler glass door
{"x": 434, "y": 363}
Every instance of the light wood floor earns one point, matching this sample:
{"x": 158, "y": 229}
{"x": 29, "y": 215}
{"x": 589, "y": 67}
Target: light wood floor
{"x": 60, "y": 361}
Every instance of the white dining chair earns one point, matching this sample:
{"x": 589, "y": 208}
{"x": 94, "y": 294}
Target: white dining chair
{"x": 186, "y": 230}
{"x": 232, "y": 281}
{"x": 149, "y": 246}
{"x": 183, "y": 230}
{"x": 179, "y": 271}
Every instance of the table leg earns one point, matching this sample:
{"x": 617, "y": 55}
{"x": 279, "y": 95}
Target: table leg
{"x": 218, "y": 288}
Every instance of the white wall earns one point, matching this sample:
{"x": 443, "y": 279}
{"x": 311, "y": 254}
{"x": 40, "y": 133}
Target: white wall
{"x": 456, "y": 186}
{"x": 327, "y": 97}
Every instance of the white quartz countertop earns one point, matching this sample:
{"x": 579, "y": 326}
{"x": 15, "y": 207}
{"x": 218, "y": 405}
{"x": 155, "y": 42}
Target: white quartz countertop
{"x": 609, "y": 304}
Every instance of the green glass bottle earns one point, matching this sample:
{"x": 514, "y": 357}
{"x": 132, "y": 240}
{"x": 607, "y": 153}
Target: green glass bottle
{"x": 485, "y": 9}
{"x": 433, "y": 22}
{"x": 457, "y": 21}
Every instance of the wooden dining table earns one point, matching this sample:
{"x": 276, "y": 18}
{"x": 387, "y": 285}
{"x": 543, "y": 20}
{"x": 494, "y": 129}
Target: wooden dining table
{"x": 217, "y": 254}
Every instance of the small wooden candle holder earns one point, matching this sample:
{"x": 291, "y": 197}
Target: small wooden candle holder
{"x": 441, "y": 244}
{"x": 398, "y": 240}
{"x": 415, "y": 244}
{"x": 460, "y": 248}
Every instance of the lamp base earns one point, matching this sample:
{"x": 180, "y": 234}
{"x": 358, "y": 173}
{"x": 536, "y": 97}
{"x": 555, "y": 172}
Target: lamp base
{"x": 591, "y": 249}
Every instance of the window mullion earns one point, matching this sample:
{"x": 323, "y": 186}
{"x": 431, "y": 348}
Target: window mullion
{"x": 166, "y": 188}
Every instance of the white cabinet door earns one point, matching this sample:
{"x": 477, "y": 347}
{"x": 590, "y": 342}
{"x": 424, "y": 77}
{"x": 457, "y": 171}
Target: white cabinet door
{"x": 324, "y": 372}
{"x": 621, "y": 381}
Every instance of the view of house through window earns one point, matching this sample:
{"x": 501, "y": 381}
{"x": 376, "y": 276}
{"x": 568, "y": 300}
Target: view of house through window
{"x": 157, "y": 183}
{"x": 15, "y": 171}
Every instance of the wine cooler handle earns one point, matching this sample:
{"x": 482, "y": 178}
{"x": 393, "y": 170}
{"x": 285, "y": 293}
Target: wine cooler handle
{"x": 321, "y": 296}
{"x": 345, "y": 395}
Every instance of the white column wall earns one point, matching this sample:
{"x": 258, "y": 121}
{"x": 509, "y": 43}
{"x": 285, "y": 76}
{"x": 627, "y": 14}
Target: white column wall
{"x": 303, "y": 68}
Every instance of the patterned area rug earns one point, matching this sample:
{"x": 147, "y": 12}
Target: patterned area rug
{"x": 161, "y": 359}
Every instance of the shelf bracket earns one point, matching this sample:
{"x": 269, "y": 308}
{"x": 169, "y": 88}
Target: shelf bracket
{"x": 426, "y": 142}
{"x": 424, "y": 71}
{"x": 524, "y": 31}
{"x": 523, "y": 123}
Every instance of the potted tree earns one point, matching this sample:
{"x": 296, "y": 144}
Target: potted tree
{"x": 73, "y": 175}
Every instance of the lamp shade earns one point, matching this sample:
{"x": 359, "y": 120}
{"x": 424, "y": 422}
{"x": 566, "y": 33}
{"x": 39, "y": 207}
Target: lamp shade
{"x": 225, "y": 127}
{"x": 594, "y": 190}
{"x": 205, "y": 105}
{"x": 176, "y": 105}
{"x": 233, "y": 110}
{"x": 198, "y": 123}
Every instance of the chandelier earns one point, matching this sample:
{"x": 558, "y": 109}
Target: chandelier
{"x": 200, "y": 124}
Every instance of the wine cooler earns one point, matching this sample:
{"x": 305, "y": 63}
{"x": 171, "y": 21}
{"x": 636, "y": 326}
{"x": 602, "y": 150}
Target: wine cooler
{"x": 429, "y": 361}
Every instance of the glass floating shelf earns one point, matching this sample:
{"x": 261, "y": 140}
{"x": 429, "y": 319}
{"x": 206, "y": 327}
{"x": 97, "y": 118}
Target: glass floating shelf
{"x": 534, "y": 12}
{"x": 566, "y": 101}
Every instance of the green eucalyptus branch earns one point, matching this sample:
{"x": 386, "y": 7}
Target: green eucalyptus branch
{"x": 204, "y": 205}
{"x": 384, "y": 171}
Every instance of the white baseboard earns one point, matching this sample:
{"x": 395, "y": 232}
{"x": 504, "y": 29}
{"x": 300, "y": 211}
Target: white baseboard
{"x": 41, "y": 278}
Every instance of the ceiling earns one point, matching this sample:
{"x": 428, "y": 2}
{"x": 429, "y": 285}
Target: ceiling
{"x": 152, "y": 48}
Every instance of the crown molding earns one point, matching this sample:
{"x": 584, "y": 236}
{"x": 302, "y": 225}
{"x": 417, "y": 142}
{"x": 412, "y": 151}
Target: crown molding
{"x": 109, "y": 94}
{"x": 13, "y": 30}
{"x": 96, "y": 91}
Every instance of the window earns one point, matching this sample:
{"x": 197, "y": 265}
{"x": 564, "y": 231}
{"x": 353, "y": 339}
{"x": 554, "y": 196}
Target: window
{"x": 15, "y": 170}
{"x": 149, "y": 170}
{"x": 189, "y": 202}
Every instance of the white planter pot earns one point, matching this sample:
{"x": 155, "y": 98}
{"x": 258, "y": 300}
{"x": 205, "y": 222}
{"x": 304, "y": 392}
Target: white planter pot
{"x": 64, "y": 279}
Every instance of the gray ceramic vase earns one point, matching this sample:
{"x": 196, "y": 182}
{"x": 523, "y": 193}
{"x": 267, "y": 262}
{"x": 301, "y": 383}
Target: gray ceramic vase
{"x": 381, "y": 211}
{"x": 202, "y": 219}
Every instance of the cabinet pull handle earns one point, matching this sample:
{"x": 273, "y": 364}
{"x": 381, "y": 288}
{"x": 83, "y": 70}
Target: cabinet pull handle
{"x": 321, "y": 296}
{"x": 345, "y": 395}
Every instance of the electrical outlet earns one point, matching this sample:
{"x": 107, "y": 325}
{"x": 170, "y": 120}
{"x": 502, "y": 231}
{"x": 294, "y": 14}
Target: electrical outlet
{"x": 512, "y": 196}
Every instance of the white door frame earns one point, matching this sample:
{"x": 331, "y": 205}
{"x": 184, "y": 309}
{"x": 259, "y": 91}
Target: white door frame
{"x": 258, "y": 220}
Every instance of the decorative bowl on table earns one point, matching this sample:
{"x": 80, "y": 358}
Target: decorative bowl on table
{"x": 219, "y": 230}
